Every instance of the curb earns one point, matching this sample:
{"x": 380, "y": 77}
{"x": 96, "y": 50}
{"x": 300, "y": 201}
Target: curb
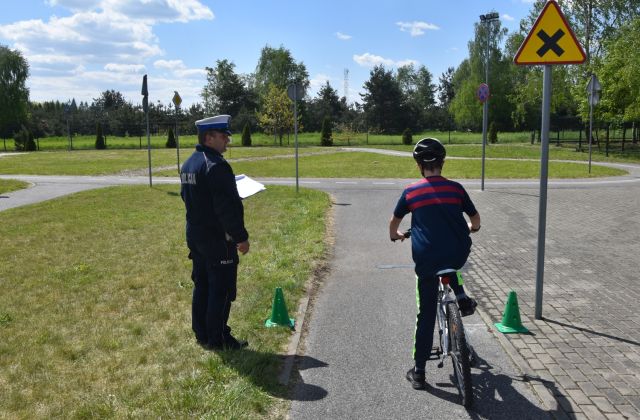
{"x": 546, "y": 398}
{"x": 292, "y": 349}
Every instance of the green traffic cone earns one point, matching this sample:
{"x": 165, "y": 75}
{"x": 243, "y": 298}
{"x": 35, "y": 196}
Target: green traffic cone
{"x": 279, "y": 314}
{"x": 511, "y": 322}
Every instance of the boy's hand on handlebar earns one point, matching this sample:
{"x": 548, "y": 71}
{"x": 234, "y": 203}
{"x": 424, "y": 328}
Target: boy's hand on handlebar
{"x": 398, "y": 235}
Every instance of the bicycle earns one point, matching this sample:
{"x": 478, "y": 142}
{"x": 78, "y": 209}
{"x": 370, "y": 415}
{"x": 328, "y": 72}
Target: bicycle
{"x": 453, "y": 339}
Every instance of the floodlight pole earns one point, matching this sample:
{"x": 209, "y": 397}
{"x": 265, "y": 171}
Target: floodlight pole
{"x": 486, "y": 19}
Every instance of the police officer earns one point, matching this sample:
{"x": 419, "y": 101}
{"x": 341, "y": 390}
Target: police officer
{"x": 215, "y": 233}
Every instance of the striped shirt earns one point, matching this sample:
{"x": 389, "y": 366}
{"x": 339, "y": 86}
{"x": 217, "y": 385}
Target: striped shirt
{"x": 439, "y": 232}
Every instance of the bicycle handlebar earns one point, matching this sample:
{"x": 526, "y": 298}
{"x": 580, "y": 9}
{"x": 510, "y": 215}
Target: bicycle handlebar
{"x": 406, "y": 234}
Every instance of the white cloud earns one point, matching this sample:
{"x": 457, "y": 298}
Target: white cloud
{"x": 416, "y": 28}
{"x": 507, "y": 17}
{"x": 318, "y": 81}
{"x": 103, "y": 44}
{"x": 342, "y": 36}
{"x": 160, "y": 10}
{"x": 149, "y": 10}
{"x": 371, "y": 60}
{"x": 169, "y": 64}
{"x": 125, "y": 68}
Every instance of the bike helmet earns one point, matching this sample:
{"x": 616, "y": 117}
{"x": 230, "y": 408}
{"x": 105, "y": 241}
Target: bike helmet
{"x": 429, "y": 150}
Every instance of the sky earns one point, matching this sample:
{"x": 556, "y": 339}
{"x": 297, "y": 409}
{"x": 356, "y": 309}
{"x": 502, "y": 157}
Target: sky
{"x": 80, "y": 48}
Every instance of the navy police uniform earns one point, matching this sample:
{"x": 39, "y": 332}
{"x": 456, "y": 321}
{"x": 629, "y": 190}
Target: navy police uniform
{"x": 215, "y": 224}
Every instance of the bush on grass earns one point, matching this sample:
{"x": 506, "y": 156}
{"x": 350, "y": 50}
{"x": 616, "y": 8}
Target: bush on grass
{"x": 326, "y": 135}
{"x": 24, "y": 141}
{"x": 493, "y": 133}
{"x": 100, "y": 143}
{"x": 407, "y": 137}
{"x": 171, "y": 140}
{"x": 246, "y": 135}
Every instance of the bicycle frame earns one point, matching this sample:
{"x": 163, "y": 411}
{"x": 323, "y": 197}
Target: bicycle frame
{"x": 445, "y": 296}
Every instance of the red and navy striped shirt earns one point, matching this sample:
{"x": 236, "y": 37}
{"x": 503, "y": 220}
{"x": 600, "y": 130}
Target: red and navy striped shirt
{"x": 439, "y": 232}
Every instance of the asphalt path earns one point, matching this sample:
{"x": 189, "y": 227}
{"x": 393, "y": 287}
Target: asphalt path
{"x": 359, "y": 343}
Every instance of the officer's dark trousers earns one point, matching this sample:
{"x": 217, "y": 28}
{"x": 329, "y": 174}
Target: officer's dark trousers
{"x": 427, "y": 300}
{"x": 214, "y": 290}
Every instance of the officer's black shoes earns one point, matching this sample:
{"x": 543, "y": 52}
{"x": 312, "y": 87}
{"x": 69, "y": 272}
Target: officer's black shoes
{"x": 467, "y": 306}
{"x": 416, "y": 378}
{"x": 231, "y": 343}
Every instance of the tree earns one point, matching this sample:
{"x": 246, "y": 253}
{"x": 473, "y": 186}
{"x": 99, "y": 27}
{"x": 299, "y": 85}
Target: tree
{"x": 445, "y": 88}
{"x": 171, "y": 140}
{"x": 100, "y": 144}
{"x": 326, "y": 135}
{"x": 276, "y": 115}
{"x": 246, "y": 136}
{"x": 278, "y": 67}
{"x": 466, "y": 109}
{"x": 14, "y": 95}
{"x": 383, "y": 102}
{"x": 418, "y": 94}
{"x": 225, "y": 91}
{"x": 620, "y": 75}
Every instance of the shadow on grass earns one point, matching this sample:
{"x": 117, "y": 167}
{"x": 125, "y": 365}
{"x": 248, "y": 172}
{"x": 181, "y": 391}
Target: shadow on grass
{"x": 262, "y": 370}
{"x": 494, "y": 395}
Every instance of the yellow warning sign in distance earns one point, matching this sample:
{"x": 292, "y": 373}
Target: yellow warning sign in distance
{"x": 550, "y": 41}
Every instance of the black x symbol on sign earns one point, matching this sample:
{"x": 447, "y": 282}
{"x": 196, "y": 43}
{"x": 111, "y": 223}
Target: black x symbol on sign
{"x": 550, "y": 42}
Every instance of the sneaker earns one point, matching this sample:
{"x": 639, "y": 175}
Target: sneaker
{"x": 417, "y": 379}
{"x": 467, "y": 306}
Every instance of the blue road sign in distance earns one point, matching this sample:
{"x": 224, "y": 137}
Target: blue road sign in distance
{"x": 483, "y": 92}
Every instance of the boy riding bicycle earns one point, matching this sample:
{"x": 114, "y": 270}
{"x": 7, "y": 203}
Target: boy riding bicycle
{"x": 439, "y": 240}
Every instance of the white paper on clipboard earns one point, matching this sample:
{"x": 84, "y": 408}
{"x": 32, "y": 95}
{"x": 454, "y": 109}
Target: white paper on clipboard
{"x": 247, "y": 186}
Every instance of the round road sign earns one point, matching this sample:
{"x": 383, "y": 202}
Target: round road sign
{"x": 483, "y": 92}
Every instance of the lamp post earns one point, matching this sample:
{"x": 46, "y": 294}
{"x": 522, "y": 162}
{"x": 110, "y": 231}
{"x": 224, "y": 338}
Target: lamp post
{"x": 486, "y": 20}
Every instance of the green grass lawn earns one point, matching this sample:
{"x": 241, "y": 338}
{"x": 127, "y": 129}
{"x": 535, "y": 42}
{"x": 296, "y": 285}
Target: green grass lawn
{"x": 527, "y": 151}
{"x": 371, "y": 165}
{"x": 8, "y": 185}
{"x": 95, "y": 296}
{"x": 104, "y": 162}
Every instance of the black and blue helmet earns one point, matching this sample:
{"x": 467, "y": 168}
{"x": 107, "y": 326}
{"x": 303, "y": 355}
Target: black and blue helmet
{"x": 429, "y": 150}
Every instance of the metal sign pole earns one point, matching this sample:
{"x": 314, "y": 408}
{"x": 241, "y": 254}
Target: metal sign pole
{"x": 295, "y": 127}
{"x": 592, "y": 88}
{"x": 177, "y": 139}
{"x": 544, "y": 175}
{"x": 485, "y": 119}
{"x": 149, "y": 150}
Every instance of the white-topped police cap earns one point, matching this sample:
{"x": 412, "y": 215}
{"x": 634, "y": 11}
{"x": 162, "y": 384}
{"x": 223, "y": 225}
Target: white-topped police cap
{"x": 219, "y": 122}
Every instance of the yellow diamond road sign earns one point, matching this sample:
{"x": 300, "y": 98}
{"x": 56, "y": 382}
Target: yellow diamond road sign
{"x": 550, "y": 41}
{"x": 177, "y": 100}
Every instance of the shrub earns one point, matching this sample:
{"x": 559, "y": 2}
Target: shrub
{"x": 493, "y": 133}
{"x": 407, "y": 137}
{"x": 171, "y": 140}
{"x": 23, "y": 140}
{"x": 246, "y": 135}
{"x": 326, "y": 136}
{"x": 100, "y": 143}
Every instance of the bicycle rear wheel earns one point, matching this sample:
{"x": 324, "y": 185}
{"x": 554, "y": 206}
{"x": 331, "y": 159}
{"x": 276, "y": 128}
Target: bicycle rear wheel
{"x": 460, "y": 355}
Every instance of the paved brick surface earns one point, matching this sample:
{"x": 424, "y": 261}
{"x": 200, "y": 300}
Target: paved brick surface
{"x": 586, "y": 350}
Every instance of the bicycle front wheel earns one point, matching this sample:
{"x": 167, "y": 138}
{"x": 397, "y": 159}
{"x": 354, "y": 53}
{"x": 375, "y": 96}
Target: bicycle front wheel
{"x": 460, "y": 355}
